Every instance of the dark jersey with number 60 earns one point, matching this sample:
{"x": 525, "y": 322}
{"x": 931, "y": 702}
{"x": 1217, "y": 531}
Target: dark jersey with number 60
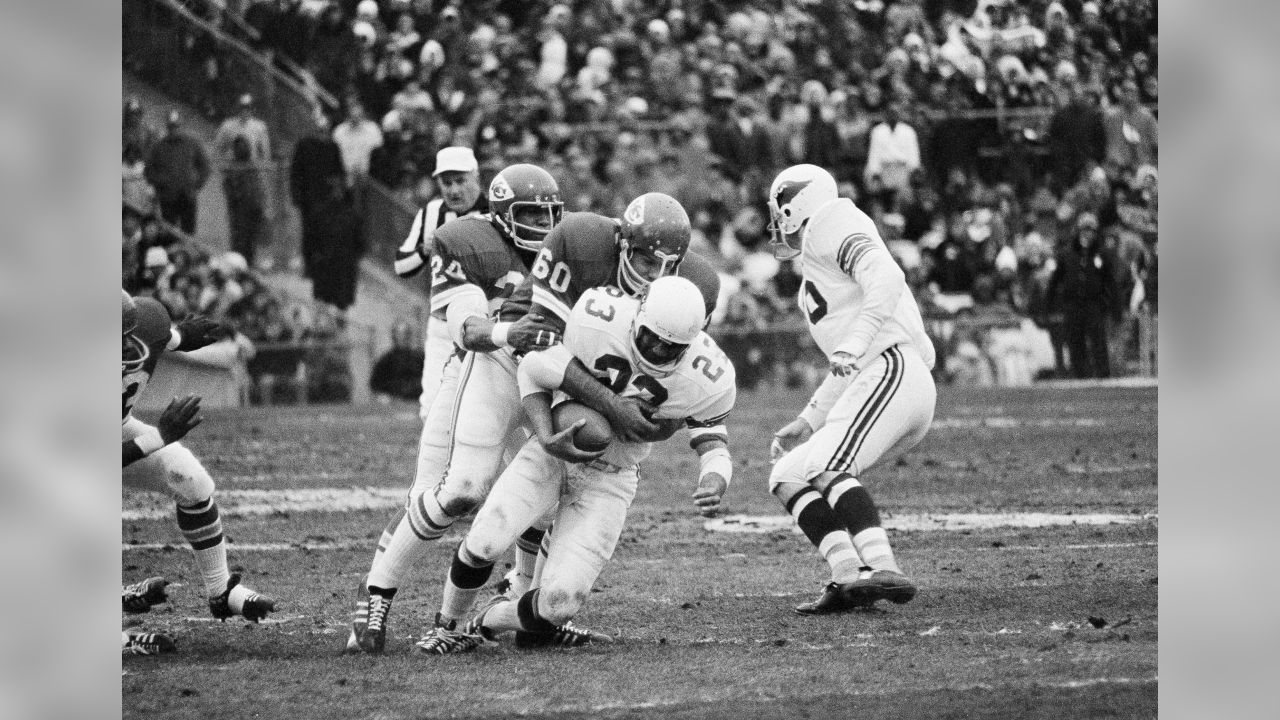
{"x": 581, "y": 253}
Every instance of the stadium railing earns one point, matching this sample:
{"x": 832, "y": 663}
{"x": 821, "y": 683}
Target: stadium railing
{"x": 187, "y": 57}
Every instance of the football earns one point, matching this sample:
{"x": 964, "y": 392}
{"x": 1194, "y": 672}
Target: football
{"x": 593, "y": 436}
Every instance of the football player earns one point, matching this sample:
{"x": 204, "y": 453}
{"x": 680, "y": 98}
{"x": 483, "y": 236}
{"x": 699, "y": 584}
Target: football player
{"x": 588, "y": 250}
{"x": 652, "y": 348}
{"x": 877, "y": 401}
{"x": 476, "y": 264}
{"x": 155, "y": 460}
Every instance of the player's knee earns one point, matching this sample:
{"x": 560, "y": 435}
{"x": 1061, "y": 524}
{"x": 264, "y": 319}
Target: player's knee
{"x": 784, "y": 491}
{"x": 823, "y": 479}
{"x": 187, "y": 479}
{"x": 559, "y": 604}
{"x": 785, "y": 472}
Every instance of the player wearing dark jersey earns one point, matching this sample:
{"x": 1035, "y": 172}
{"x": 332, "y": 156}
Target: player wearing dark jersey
{"x": 588, "y": 250}
{"x": 477, "y": 263}
{"x": 154, "y": 459}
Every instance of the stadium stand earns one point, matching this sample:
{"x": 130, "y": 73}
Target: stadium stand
{"x": 977, "y": 133}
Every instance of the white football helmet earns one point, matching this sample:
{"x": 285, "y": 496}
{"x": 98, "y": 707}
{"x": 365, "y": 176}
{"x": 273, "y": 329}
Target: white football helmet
{"x": 796, "y": 194}
{"x": 670, "y": 317}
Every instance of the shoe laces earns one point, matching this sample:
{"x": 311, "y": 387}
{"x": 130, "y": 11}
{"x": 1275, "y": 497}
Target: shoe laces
{"x": 379, "y": 606}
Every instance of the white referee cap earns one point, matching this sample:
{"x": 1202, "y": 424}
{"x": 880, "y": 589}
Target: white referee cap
{"x": 456, "y": 159}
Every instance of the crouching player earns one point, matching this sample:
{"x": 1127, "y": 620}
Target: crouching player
{"x": 154, "y": 460}
{"x": 651, "y": 348}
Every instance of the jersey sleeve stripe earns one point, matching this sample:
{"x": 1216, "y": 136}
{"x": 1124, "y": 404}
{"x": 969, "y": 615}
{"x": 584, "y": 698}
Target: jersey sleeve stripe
{"x": 853, "y": 248}
{"x": 547, "y": 299}
{"x": 408, "y": 263}
{"x": 720, "y": 434}
{"x": 441, "y": 300}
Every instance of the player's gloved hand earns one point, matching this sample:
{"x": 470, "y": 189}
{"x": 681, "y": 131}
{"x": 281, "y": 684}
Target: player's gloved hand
{"x": 791, "y": 435}
{"x": 180, "y": 418}
{"x": 842, "y": 364}
{"x": 199, "y": 331}
{"x": 532, "y": 332}
{"x": 711, "y": 488}
{"x": 561, "y": 445}
{"x": 630, "y": 421}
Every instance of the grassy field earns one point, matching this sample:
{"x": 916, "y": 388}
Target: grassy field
{"x": 1012, "y": 620}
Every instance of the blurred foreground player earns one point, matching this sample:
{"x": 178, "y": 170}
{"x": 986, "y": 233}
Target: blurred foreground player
{"x": 878, "y": 400}
{"x": 154, "y": 460}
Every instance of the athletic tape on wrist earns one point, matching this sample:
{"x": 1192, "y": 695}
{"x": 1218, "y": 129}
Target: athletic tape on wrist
{"x": 499, "y": 333}
{"x": 149, "y": 441}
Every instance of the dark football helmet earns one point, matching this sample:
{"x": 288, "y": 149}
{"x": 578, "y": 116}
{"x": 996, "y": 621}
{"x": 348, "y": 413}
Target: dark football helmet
{"x": 133, "y": 352}
{"x": 520, "y": 186}
{"x": 652, "y": 241}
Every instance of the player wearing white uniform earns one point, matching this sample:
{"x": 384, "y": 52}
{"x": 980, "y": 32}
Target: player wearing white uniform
{"x": 877, "y": 401}
{"x": 651, "y": 349}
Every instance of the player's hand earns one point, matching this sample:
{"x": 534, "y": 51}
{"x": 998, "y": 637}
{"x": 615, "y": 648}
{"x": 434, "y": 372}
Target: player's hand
{"x": 707, "y": 497}
{"x": 180, "y": 418}
{"x": 630, "y": 421}
{"x": 666, "y": 428}
{"x": 532, "y": 332}
{"x": 791, "y": 435}
{"x": 199, "y": 331}
{"x": 842, "y": 364}
{"x": 561, "y": 445}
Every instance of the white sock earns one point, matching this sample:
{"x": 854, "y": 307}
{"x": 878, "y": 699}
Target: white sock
{"x": 873, "y": 545}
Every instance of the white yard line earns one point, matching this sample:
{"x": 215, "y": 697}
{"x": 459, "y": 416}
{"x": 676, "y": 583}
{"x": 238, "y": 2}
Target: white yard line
{"x": 935, "y": 521}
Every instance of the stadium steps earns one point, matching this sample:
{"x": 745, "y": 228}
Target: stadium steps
{"x": 381, "y": 298}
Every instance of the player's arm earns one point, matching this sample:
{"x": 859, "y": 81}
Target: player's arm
{"x": 709, "y": 437}
{"x": 868, "y": 262}
{"x": 539, "y": 374}
{"x": 411, "y": 256}
{"x": 812, "y": 417}
{"x": 195, "y": 332}
{"x": 458, "y": 297}
{"x": 180, "y": 418}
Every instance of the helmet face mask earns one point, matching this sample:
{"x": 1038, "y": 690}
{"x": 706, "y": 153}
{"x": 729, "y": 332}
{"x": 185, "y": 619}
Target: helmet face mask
{"x": 794, "y": 197}
{"x": 669, "y": 319}
{"x": 652, "y": 240}
{"x": 133, "y": 352}
{"x": 517, "y": 189}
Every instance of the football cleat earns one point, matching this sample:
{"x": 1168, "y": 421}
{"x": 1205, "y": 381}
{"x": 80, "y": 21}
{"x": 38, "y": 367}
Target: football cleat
{"x": 566, "y": 635}
{"x": 446, "y": 639}
{"x": 835, "y": 598}
{"x": 254, "y": 607}
{"x": 881, "y": 585}
{"x": 141, "y": 596}
{"x": 147, "y": 644}
{"x": 369, "y": 625}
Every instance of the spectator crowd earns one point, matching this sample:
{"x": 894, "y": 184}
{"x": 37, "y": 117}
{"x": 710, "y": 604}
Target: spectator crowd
{"x": 1007, "y": 149}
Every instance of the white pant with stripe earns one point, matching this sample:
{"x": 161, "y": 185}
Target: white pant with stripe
{"x": 885, "y": 411}
{"x": 437, "y": 349}
{"x": 474, "y": 418}
{"x": 592, "y": 502}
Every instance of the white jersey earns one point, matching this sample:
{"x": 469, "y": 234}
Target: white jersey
{"x": 854, "y": 295}
{"x": 701, "y": 389}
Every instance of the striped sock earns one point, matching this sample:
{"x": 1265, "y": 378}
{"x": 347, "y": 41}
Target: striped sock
{"x": 854, "y": 506}
{"x": 528, "y": 545}
{"x": 820, "y": 524}
{"x": 202, "y": 527}
{"x": 408, "y": 543}
{"x": 387, "y": 533}
{"x": 467, "y": 575}
{"x": 544, "y": 549}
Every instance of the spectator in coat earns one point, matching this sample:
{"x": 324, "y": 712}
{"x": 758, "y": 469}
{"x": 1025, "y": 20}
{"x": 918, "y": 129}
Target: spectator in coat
{"x": 177, "y": 168}
{"x": 1131, "y": 130}
{"x": 398, "y": 373}
{"x": 894, "y": 151}
{"x": 244, "y": 149}
{"x": 338, "y": 246}
{"x": 1076, "y": 135}
{"x": 317, "y": 164}
{"x": 1083, "y": 286}
{"x": 356, "y": 137}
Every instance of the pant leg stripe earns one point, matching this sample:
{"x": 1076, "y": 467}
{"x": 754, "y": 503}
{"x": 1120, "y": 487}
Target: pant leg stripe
{"x": 897, "y": 383}
{"x": 838, "y": 461}
{"x": 469, "y": 362}
{"x": 870, "y": 411}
